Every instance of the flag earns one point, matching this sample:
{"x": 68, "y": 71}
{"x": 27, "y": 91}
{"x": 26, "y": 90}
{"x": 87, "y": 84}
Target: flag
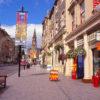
{"x": 95, "y": 3}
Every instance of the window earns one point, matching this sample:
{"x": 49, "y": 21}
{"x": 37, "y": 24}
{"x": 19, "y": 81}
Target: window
{"x": 96, "y": 61}
{"x": 82, "y": 11}
{"x": 73, "y": 20}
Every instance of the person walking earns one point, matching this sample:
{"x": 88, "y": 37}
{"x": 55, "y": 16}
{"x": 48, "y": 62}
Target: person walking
{"x": 28, "y": 62}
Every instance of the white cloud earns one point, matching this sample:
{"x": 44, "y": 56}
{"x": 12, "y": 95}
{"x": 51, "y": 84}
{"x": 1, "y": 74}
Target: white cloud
{"x": 5, "y": 1}
{"x": 30, "y": 30}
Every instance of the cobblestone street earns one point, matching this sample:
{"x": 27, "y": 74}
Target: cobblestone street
{"x": 35, "y": 85}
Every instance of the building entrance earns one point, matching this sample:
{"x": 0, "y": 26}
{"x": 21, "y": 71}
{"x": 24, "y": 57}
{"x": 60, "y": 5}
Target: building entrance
{"x": 80, "y": 67}
{"x": 96, "y": 61}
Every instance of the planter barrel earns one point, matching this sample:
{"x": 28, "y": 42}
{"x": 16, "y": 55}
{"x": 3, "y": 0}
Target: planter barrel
{"x": 74, "y": 75}
{"x": 95, "y": 80}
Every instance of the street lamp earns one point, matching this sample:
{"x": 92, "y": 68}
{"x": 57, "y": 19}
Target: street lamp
{"x": 21, "y": 32}
{"x": 20, "y": 46}
{"x": 19, "y": 60}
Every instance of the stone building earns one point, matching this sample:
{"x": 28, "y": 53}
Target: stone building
{"x": 54, "y": 33}
{"x": 83, "y": 31}
{"x": 74, "y": 25}
{"x": 7, "y": 47}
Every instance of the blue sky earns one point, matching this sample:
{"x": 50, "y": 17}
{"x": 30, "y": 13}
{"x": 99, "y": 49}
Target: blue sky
{"x": 37, "y": 10}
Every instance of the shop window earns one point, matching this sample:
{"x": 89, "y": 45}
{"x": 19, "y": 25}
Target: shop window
{"x": 73, "y": 20}
{"x": 96, "y": 61}
{"x": 82, "y": 11}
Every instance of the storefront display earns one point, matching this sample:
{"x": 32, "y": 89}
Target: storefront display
{"x": 96, "y": 62}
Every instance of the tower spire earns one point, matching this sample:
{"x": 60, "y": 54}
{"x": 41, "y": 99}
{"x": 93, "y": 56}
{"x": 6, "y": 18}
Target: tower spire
{"x": 22, "y": 9}
{"x": 34, "y": 40}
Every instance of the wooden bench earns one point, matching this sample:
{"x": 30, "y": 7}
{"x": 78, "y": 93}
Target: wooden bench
{"x": 3, "y": 80}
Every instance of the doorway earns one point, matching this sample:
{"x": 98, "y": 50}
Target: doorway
{"x": 80, "y": 67}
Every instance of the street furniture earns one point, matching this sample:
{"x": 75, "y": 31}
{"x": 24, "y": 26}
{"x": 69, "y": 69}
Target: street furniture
{"x": 3, "y": 80}
{"x": 74, "y": 75}
{"x": 95, "y": 80}
{"x": 54, "y": 75}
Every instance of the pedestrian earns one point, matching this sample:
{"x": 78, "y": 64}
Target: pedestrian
{"x": 23, "y": 63}
{"x": 28, "y": 62}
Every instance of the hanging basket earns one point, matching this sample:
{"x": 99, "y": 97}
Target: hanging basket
{"x": 62, "y": 57}
{"x": 80, "y": 51}
{"x": 70, "y": 54}
{"x": 58, "y": 47}
{"x": 48, "y": 53}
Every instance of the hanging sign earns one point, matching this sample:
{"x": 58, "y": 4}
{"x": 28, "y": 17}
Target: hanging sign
{"x": 98, "y": 45}
{"x": 98, "y": 35}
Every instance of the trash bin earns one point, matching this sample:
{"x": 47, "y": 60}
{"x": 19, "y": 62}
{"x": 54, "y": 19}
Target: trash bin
{"x": 95, "y": 80}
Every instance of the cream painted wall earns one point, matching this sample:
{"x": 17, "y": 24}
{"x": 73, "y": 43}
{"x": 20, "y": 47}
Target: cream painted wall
{"x": 77, "y": 14}
{"x": 88, "y": 8}
{"x": 87, "y": 61}
{"x": 68, "y": 18}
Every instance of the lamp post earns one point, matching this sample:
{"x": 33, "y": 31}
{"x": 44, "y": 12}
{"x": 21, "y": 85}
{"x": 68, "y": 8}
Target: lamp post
{"x": 21, "y": 32}
{"x": 19, "y": 57}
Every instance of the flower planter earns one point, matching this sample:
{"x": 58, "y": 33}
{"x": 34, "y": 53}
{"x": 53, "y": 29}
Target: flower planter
{"x": 95, "y": 81}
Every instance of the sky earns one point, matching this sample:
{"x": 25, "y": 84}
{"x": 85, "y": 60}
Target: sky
{"x": 37, "y": 10}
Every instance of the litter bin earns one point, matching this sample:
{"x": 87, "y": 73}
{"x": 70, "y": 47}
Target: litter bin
{"x": 95, "y": 80}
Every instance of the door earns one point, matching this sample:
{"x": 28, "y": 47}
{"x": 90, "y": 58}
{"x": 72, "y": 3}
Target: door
{"x": 80, "y": 67}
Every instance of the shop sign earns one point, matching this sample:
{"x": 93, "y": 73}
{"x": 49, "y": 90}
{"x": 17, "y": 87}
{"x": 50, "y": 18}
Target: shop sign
{"x": 98, "y": 35}
{"x": 98, "y": 45}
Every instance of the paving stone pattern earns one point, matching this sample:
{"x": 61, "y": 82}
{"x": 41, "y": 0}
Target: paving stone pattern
{"x": 34, "y": 84}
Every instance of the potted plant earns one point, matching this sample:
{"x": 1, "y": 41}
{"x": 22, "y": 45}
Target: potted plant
{"x": 48, "y": 53}
{"x": 58, "y": 47}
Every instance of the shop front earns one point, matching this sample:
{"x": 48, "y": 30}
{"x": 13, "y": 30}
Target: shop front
{"x": 80, "y": 67}
{"x": 96, "y": 61}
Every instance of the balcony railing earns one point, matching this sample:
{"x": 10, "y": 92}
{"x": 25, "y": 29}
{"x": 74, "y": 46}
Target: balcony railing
{"x": 80, "y": 42}
{"x": 92, "y": 37}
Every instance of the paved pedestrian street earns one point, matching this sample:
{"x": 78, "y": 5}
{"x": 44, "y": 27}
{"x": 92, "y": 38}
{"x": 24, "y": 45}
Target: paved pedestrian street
{"x": 34, "y": 84}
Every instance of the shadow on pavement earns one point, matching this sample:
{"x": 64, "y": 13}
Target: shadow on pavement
{"x": 2, "y": 89}
{"x": 35, "y": 74}
{"x": 39, "y": 74}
